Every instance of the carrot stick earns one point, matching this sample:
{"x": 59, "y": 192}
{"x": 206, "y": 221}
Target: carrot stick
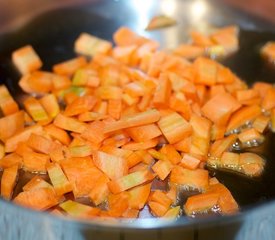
{"x": 7, "y": 104}
{"x": 8, "y": 181}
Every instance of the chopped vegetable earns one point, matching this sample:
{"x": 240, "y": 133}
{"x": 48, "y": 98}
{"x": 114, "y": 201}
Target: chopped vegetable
{"x": 160, "y": 21}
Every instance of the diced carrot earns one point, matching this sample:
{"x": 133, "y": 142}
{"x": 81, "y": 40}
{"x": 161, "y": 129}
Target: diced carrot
{"x": 190, "y": 162}
{"x": 130, "y": 213}
{"x": 7, "y": 104}
{"x": 26, "y": 60}
{"x": 174, "y": 127}
{"x": 94, "y": 132}
{"x": 201, "y": 203}
{"x": 36, "y": 183}
{"x": 118, "y": 204}
{"x": 261, "y": 123}
{"x": 129, "y": 181}
{"x": 139, "y": 196}
{"x": 86, "y": 77}
{"x": 50, "y": 104}
{"x": 100, "y": 191}
{"x": 206, "y": 71}
{"x": 59, "y": 153}
{"x": 109, "y": 92}
{"x": 11, "y": 124}
{"x": 11, "y": 160}
{"x": 200, "y": 39}
{"x": 35, "y": 109}
{"x": 251, "y": 164}
{"x": 8, "y": 181}
{"x": 262, "y": 88}
{"x": 220, "y": 107}
{"x": 124, "y": 53}
{"x": 143, "y": 118}
{"x": 157, "y": 208}
{"x": 230, "y": 159}
{"x": 197, "y": 178}
{"x": 160, "y": 21}
{"x": 69, "y": 67}
{"x": 268, "y": 51}
{"x": 35, "y": 162}
{"x": 80, "y": 151}
{"x": 133, "y": 159}
{"x": 189, "y": 51}
{"x": 114, "y": 167}
{"x": 172, "y": 213}
{"x": 69, "y": 123}
{"x": 60, "y": 182}
{"x": 217, "y": 132}
{"x": 61, "y": 82}
{"x": 248, "y": 94}
{"x": 249, "y": 135}
{"x": 243, "y": 115}
{"x": 157, "y": 155}
{"x": 82, "y": 174}
{"x": 134, "y": 146}
{"x": 216, "y": 89}
{"x": 144, "y": 132}
{"x": 125, "y": 36}
{"x": 220, "y": 146}
{"x": 38, "y": 199}
{"x": 90, "y": 45}
{"x": 226, "y": 201}
{"x": 172, "y": 193}
{"x": 172, "y": 154}
{"x": 40, "y": 143}
{"x": 183, "y": 145}
{"x": 80, "y": 105}
{"x": 162, "y": 168}
{"x": 115, "y": 108}
{"x": 79, "y": 210}
{"x": 58, "y": 134}
{"x": 269, "y": 99}
{"x": 22, "y": 136}
{"x": 163, "y": 91}
{"x": 213, "y": 181}
{"x": 160, "y": 197}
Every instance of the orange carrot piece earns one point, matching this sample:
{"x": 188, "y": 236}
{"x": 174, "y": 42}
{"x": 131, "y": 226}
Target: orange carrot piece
{"x": 269, "y": 99}
{"x": 36, "y": 182}
{"x": 80, "y": 105}
{"x": 172, "y": 213}
{"x": 172, "y": 193}
{"x": 11, "y": 160}
{"x": 40, "y": 144}
{"x": 11, "y": 124}
{"x": 35, "y": 109}
{"x": 125, "y": 36}
{"x": 90, "y": 45}
{"x": 172, "y": 154}
{"x": 124, "y": 53}
{"x": 118, "y": 204}
{"x": 130, "y": 213}
{"x": 139, "y": 196}
{"x": 243, "y": 115}
{"x": 261, "y": 123}
{"x": 35, "y": 162}
{"x": 26, "y": 60}
{"x": 174, "y": 127}
{"x": 273, "y": 120}
{"x": 163, "y": 91}
{"x": 248, "y": 94}
{"x": 61, "y": 82}
{"x": 201, "y": 203}
{"x": 262, "y": 88}
{"x": 157, "y": 208}
{"x": 100, "y": 191}
{"x": 189, "y": 162}
{"x": 22, "y": 136}
{"x": 109, "y": 92}
{"x": 69, "y": 67}
{"x": 162, "y": 168}
{"x": 7, "y": 104}
{"x": 206, "y": 71}
{"x": 82, "y": 174}
{"x": 50, "y": 104}
{"x": 200, "y": 40}
{"x": 38, "y": 199}
{"x": 129, "y": 181}
{"x": 251, "y": 164}
{"x": 189, "y": 51}
{"x": 147, "y": 117}
{"x": 94, "y": 132}
{"x": 197, "y": 179}
{"x": 217, "y": 132}
{"x": 160, "y": 197}
{"x": 216, "y": 89}
{"x": 114, "y": 167}
{"x": 133, "y": 159}
{"x": 86, "y": 77}
{"x": 183, "y": 145}
{"x": 220, "y": 107}
{"x": 268, "y": 51}
{"x": 115, "y": 108}
{"x": 249, "y": 135}
{"x": 69, "y": 123}
{"x": 2, "y": 150}
{"x": 58, "y": 134}
{"x": 144, "y": 132}
{"x": 220, "y": 146}
{"x": 141, "y": 145}
{"x": 8, "y": 181}
{"x": 59, "y": 180}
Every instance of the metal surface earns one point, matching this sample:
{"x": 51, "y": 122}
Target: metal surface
{"x": 52, "y": 34}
